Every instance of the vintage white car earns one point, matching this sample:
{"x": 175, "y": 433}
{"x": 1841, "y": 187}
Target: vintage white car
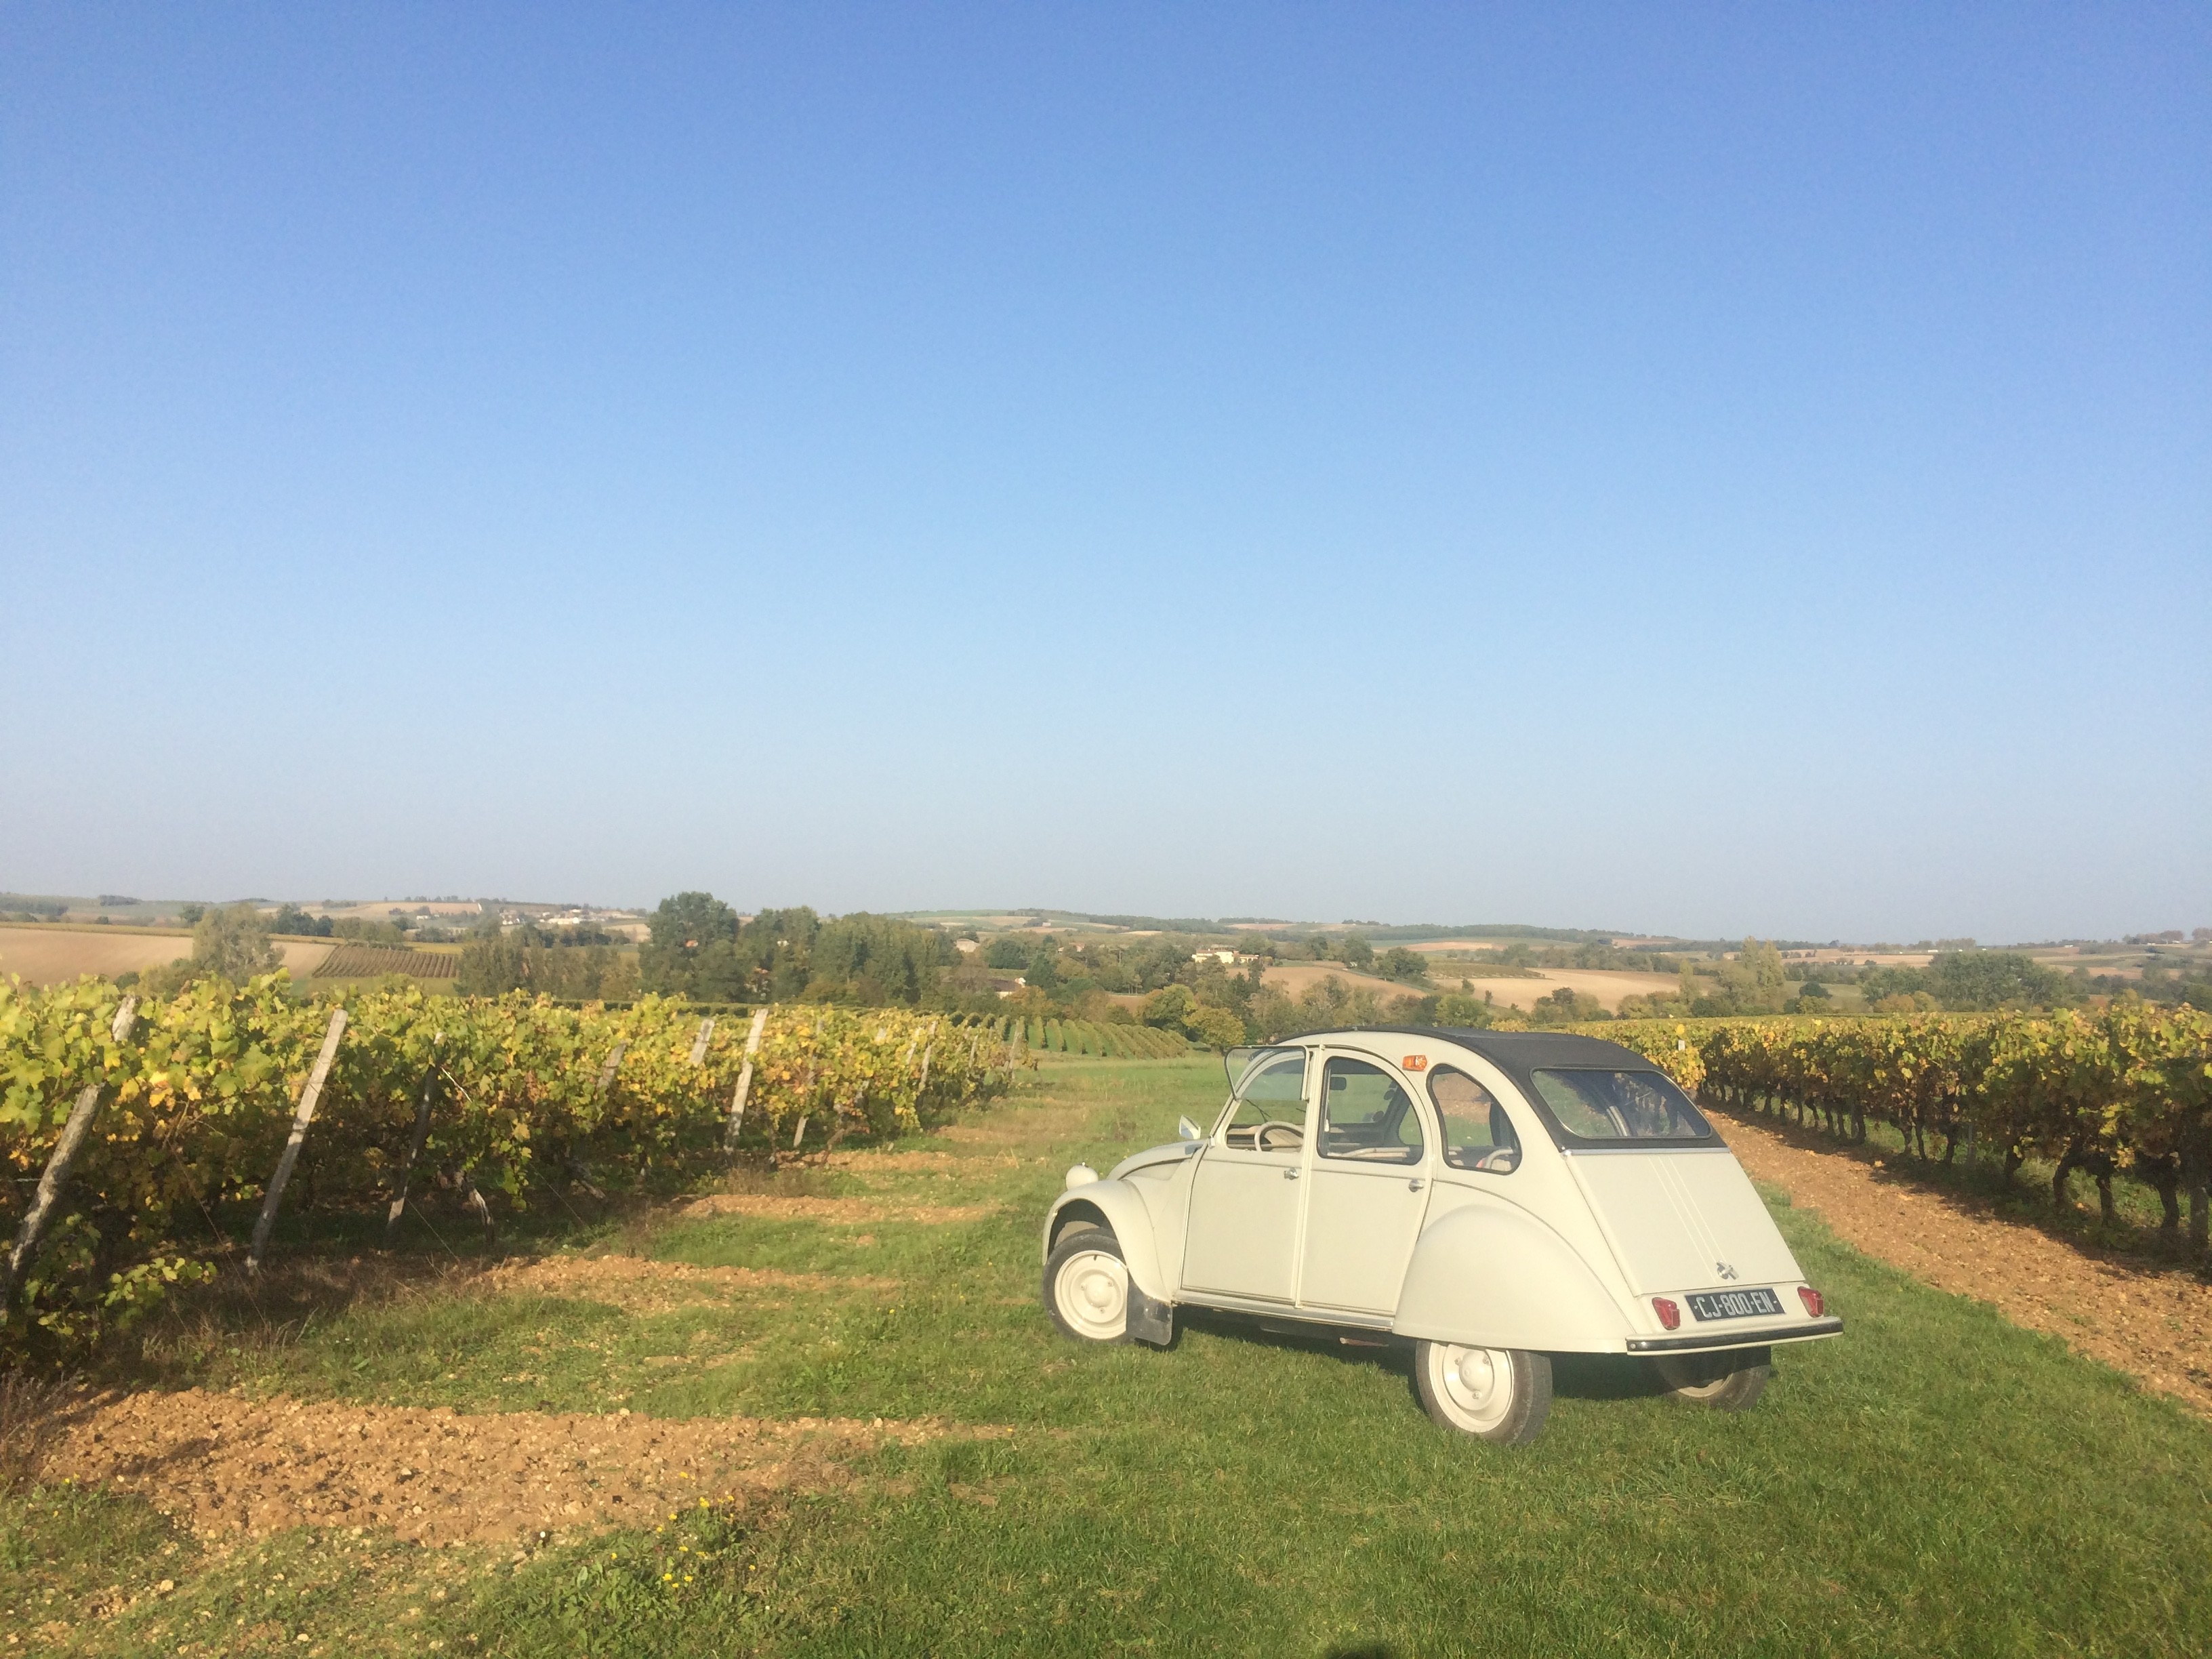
{"x": 1495, "y": 1198}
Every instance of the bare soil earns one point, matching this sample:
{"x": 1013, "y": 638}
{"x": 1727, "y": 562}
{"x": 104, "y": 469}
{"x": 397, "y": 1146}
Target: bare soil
{"x": 221, "y": 1463}
{"x": 2153, "y": 1322}
{"x": 1518, "y": 991}
{"x": 1296, "y": 978}
{"x": 48, "y": 956}
{"x": 1607, "y": 985}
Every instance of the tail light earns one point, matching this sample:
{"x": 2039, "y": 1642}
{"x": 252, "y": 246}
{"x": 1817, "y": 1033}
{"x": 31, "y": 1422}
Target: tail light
{"x": 1815, "y": 1303}
{"x": 1670, "y": 1315}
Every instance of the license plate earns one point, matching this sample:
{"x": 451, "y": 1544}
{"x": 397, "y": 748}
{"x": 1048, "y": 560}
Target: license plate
{"x": 1734, "y": 1304}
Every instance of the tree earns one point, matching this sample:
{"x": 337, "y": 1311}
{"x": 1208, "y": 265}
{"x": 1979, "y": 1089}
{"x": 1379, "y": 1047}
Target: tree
{"x": 291, "y": 918}
{"x": 1967, "y": 982}
{"x": 1566, "y": 1007}
{"x": 1752, "y": 984}
{"x": 693, "y": 948}
{"x": 1399, "y": 963}
{"x": 1974, "y": 980}
{"x": 1463, "y": 1007}
{"x": 1044, "y": 964}
{"x": 863, "y": 958}
{"x": 233, "y": 944}
{"x": 526, "y": 960}
{"x": 1170, "y": 1007}
{"x": 692, "y": 921}
{"x": 1356, "y": 953}
{"x": 1216, "y": 1028}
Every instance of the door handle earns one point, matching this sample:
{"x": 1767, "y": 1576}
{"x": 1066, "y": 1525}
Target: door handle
{"x": 1290, "y": 1175}
{"x": 1414, "y": 1185}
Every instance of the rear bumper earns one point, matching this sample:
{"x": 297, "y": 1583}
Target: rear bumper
{"x": 1715, "y": 1342}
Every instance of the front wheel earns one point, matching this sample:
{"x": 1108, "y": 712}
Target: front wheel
{"x": 1499, "y": 1394}
{"x": 1726, "y": 1381}
{"x": 1086, "y": 1286}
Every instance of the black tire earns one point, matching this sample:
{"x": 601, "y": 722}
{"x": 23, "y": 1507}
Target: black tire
{"x": 1726, "y": 1381}
{"x": 1088, "y": 1300}
{"x": 1499, "y": 1394}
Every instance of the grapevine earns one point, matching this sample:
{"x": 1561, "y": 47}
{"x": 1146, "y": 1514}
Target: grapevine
{"x": 2126, "y": 1088}
{"x": 196, "y": 1102}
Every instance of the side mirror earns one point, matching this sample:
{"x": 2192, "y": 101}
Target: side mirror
{"x": 1189, "y": 1130}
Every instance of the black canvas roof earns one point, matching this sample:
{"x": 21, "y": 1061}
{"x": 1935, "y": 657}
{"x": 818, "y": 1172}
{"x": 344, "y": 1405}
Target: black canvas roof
{"x": 1515, "y": 1053}
{"x": 1519, "y": 1055}
{"x": 1527, "y": 1050}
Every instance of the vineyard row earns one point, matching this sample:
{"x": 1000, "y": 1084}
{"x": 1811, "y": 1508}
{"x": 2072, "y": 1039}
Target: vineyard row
{"x": 2127, "y": 1088}
{"x": 186, "y": 1107}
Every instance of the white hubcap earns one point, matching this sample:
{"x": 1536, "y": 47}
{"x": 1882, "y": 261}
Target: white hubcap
{"x": 1093, "y": 1293}
{"x": 1477, "y": 1383}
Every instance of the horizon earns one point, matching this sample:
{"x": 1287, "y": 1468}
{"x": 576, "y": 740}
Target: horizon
{"x": 1745, "y": 473}
{"x": 1127, "y": 922}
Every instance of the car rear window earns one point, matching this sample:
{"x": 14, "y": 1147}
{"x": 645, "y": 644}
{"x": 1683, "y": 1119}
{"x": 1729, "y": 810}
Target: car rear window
{"x": 1603, "y": 1105}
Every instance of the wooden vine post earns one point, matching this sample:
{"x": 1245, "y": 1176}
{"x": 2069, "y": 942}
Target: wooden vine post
{"x": 744, "y": 1081}
{"x": 300, "y": 1119}
{"x": 698, "y": 1042}
{"x": 806, "y": 1089}
{"x": 922, "y": 1087}
{"x": 607, "y": 1072}
{"x": 57, "y": 1174}
{"x": 414, "y": 1143}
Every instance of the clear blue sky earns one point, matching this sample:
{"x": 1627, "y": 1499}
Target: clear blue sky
{"x": 1683, "y": 469}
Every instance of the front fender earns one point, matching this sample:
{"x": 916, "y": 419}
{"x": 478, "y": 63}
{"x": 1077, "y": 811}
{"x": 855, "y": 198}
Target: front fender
{"x": 1120, "y": 1208}
{"x": 1496, "y": 1278}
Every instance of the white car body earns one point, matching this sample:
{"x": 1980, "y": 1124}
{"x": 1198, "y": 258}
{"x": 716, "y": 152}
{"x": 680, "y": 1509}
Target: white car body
{"x": 1578, "y": 1245}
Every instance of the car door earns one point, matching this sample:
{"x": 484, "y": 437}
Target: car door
{"x": 1241, "y": 1237}
{"x": 1368, "y": 1188}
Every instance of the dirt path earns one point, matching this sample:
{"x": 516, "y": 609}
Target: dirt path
{"x": 221, "y": 1463}
{"x": 2153, "y": 1323}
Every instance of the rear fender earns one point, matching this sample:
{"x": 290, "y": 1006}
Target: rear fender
{"x": 1120, "y": 1208}
{"x": 1495, "y": 1278}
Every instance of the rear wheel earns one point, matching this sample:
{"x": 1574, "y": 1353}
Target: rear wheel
{"x": 1499, "y": 1395}
{"x": 1726, "y": 1381}
{"x": 1087, "y": 1285}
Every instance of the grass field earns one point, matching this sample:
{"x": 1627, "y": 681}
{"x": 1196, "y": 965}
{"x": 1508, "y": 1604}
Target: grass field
{"x": 1936, "y": 1482}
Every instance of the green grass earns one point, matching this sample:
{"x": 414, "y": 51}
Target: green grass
{"x": 1936, "y": 1482}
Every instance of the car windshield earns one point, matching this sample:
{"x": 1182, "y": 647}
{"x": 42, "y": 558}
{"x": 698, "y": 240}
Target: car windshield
{"x": 1597, "y": 1105}
{"x": 1237, "y": 1062}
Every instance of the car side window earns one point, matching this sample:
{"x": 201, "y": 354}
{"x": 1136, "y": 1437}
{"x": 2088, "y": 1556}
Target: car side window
{"x": 1366, "y": 1115}
{"x": 1478, "y": 1136}
{"x": 1270, "y": 1112}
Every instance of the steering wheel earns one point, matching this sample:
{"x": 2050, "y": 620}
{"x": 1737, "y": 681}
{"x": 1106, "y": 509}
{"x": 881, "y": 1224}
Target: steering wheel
{"x": 1295, "y": 1132}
